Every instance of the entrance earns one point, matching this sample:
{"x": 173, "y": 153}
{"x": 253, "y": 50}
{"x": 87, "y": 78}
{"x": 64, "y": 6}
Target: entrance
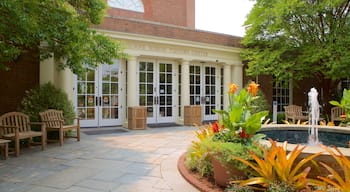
{"x": 203, "y": 89}
{"x": 156, "y": 90}
{"x": 98, "y": 96}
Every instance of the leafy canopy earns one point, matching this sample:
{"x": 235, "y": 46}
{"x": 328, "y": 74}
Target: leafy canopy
{"x": 294, "y": 39}
{"x": 59, "y": 28}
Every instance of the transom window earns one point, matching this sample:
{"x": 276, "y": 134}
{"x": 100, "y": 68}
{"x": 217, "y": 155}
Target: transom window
{"x": 132, "y": 5}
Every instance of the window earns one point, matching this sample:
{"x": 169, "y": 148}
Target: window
{"x": 132, "y": 5}
{"x": 281, "y": 94}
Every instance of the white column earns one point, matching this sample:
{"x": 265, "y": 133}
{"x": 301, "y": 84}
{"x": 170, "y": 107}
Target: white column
{"x": 47, "y": 71}
{"x": 122, "y": 90}
{"x": 185, "y": 85}
{"x": 132, "y": 82}
{"x": 65, "y": 81}
{"x": 237, "y": 74}
{"x": 227, "y": 81}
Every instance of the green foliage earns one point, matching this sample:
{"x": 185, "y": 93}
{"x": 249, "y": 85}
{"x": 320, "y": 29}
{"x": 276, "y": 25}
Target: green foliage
{"x": 56, "y": 27}
{"x": 239, "y": 121}
{"x": 293, "y": 39}
{"x": 238, "y": 188}
{"x": 198, "y": 159}
{"x": 260, "y": 103}
{"x": 46, "y": 97}
{"x": 281, "y": 117}
{"x": 344, "y": 104}
{"x": 197, "y": 156}
{"x": 228, "y": 149}
{"x": 280, "y": 186}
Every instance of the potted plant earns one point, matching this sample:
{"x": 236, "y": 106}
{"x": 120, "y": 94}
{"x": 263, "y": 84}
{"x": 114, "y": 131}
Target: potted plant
{"x": 235, "y": 133}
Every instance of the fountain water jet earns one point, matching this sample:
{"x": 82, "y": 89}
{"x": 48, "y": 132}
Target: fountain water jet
{"x": 314, "y": 116}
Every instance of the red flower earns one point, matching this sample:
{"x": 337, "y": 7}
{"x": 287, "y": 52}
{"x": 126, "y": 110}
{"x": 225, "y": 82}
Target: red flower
{"x": 243, "y": 134}
{"x": 215, "y": 127}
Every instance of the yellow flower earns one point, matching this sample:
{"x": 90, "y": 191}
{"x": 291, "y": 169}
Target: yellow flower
{"x": 253, "y": 88}
{"x": 233, "y": 88}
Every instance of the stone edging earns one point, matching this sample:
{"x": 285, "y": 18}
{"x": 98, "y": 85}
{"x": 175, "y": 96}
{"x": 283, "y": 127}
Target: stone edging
{"x": 200, "y": 183}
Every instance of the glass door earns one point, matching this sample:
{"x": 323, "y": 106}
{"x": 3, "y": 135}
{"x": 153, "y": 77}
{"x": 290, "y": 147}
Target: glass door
{"x": 156, "y": 90}
{"x": 210, "y": 99}
{"x": 109, "y": 95}
{"x": 203, "y": 89}
{"x": 98, "y": 96}
{"x": 87, "y": 100}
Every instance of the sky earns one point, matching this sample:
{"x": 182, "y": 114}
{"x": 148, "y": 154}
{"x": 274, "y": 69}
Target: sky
{"x": 223, "y": 16}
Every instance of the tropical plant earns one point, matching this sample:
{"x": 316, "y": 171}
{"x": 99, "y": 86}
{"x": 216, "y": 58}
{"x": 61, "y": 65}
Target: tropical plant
{"x": 337, "y": 181}
{"x": 277, "y": 165}
{"x": 44, "y": 97}
{"x": 239, "y": 123}
{"x": 197, "y": 156}
{"x": 344, "y": 104}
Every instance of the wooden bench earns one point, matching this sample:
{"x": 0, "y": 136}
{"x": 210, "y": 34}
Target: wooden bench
{"x": 16, "y": 126}
{"x": 4, "y": 148}
{"x": 336, "y": 113}
{"x": 53, "y": 120}
{"x": 295, "y": 113}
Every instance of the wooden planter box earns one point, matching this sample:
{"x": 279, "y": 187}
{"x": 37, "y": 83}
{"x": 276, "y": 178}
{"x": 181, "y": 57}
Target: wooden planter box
{"x": 137, "y": 117}
{"x": 193, "y": 115}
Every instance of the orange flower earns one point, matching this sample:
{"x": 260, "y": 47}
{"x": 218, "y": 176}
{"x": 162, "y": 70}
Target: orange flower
{"x": 233, "y": 88}
{"x": 253, "y": 88}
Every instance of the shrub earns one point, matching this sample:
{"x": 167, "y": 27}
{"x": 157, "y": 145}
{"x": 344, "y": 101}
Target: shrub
{"x": 44, "y": 97}
{"x": 260, "y": 103}
{"x": 197, "y": 156}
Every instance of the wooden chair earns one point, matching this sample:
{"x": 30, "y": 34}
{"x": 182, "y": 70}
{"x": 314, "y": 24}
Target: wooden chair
{"x": 16, "y": 126}
{"x": 295, "y": 113}
{"x": 336, "y": 112}
{"x": 53, "y": 120}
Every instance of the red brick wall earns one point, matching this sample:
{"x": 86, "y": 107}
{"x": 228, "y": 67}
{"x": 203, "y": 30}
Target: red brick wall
{"x": 24, "y": 75}
{"x": 175, "y": 12}
{"x": 168, "y": 31}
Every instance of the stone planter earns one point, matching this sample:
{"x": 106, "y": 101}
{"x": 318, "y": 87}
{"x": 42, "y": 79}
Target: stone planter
{"x": 224, "y": 173}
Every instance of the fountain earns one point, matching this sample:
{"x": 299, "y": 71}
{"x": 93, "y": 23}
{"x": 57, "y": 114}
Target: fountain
{"x": 314, "y": 116}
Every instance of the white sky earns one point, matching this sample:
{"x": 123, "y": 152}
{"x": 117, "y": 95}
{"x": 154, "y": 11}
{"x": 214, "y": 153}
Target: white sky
{"x": 223, "y": 16}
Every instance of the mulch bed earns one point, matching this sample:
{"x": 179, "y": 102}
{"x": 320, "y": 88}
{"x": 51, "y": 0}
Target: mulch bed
{"x": 201, "y": 183}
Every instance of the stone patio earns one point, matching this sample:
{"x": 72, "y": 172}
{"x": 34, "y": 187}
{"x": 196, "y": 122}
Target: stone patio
{"x": 137, "y": 160}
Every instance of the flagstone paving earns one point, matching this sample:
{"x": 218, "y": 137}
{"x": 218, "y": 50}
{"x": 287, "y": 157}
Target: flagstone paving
{"x": 137, "y": 160}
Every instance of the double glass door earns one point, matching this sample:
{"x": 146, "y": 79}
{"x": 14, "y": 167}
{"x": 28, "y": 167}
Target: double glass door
{"x": 204, "y": 89}
{"x": 156, "y": 90}
{"x": 98, "y": 96}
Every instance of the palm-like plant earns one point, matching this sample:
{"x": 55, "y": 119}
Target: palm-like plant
{"x": 277, "y": 165}
{"x": 337, "y": 181}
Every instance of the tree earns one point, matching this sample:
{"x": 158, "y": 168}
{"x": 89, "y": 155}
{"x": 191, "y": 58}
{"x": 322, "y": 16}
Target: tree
{"x": 295, "y": 39}
{"x": 59, "y": 28}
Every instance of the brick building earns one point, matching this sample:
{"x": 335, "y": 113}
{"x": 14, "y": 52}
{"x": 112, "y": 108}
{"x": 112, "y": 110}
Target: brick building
{"x": 171, "y": 65}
